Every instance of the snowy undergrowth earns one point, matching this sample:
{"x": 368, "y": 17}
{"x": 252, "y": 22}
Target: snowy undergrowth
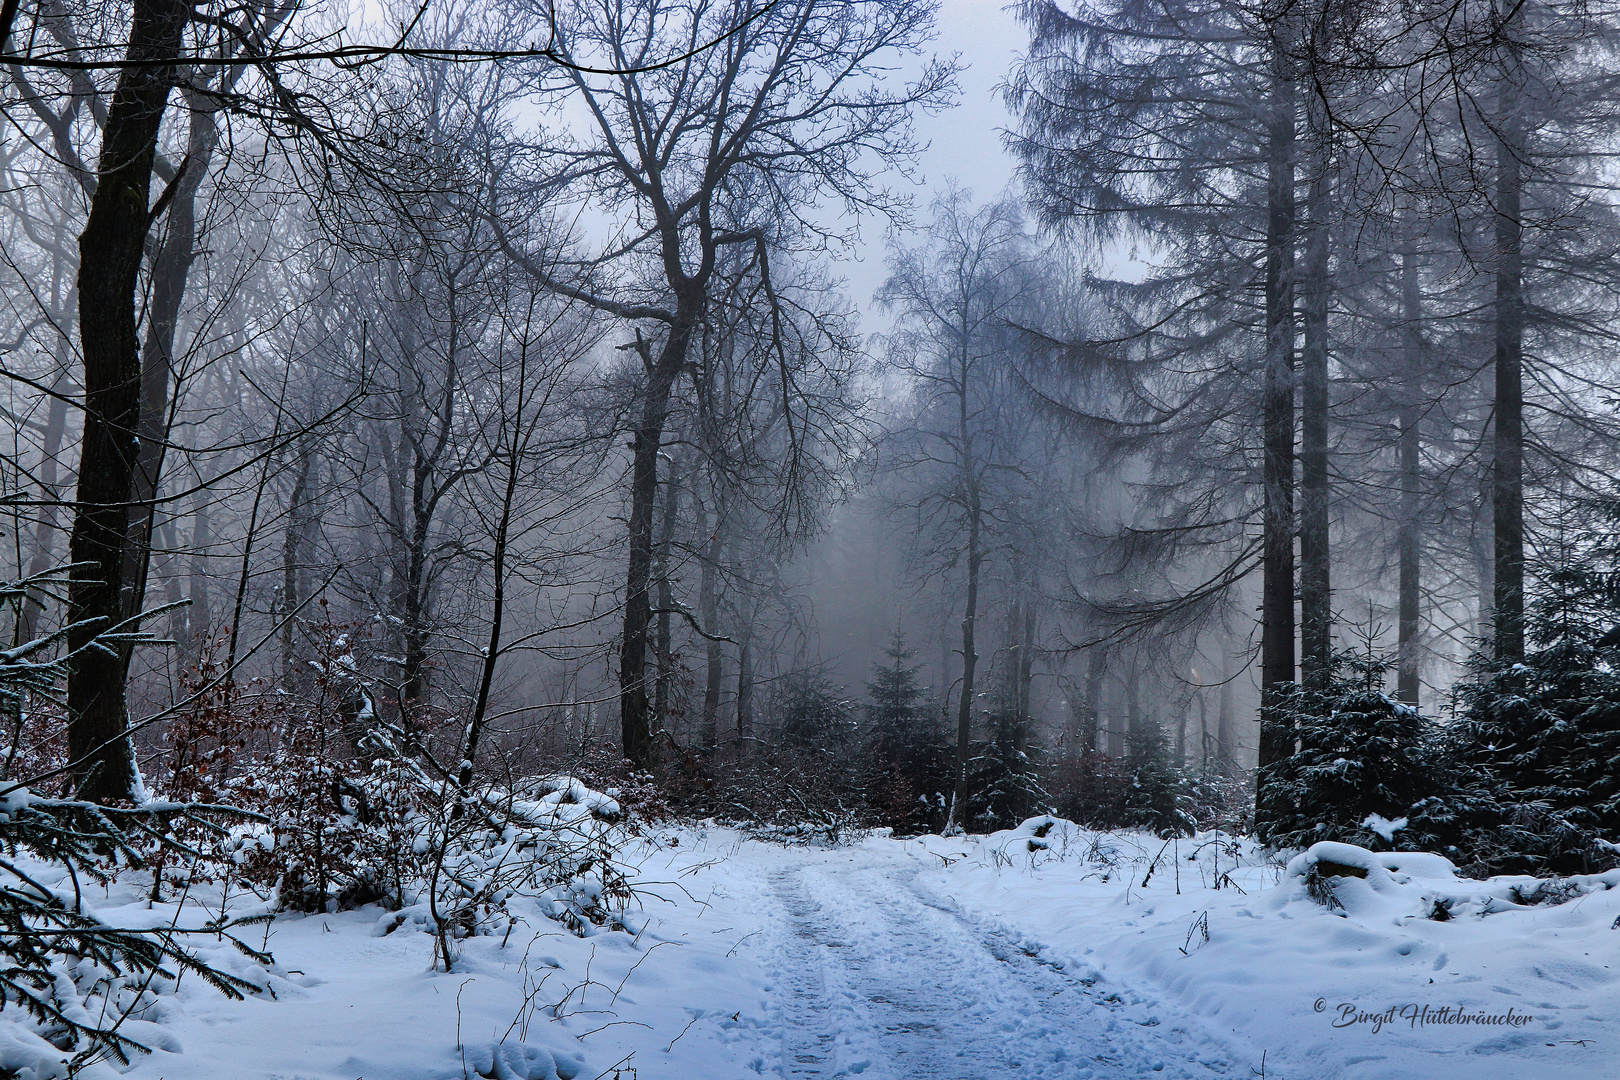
{"x": 1339, "y": 963}
{"x": 1299, "y": 966}
{"x": 660, "y": 990}
{"x": 544, "y": 901}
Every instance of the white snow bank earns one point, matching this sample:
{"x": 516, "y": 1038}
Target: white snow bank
{"x": 26, "y": 1056}
{"x": 1404, "y": 884}
{"x": 1030, "y": 835}
{"x": 1516, "y": 977}
{"x": 677, "y": 995}
{"x": 523, "y": 1061}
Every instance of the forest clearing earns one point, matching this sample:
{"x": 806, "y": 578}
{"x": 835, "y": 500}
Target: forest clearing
{"x": 809, "y": 538}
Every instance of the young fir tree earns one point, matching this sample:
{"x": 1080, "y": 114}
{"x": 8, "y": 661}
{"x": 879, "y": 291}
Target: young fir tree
{"x": 813, "y": 714}
{"x": 1543, "y": 732}
{"x": 1004, "y": 785}
{"x": 909, "y": 771}
{"x": 1365, "y": 772}
{"x": 1157, "y": 798}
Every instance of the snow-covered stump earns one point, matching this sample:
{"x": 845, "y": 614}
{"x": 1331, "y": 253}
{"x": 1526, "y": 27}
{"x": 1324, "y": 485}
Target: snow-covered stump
{"x": 1400, "y": 884}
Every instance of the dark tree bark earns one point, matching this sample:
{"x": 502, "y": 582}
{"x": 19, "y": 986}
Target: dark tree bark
{"x": 1277, "y": 546}
{"x": 295, "y": 556}
{"x": 1507, "y": 442}
{"x": 709, "y": 610}
{"x": 636, "y": 720}
{"x": 497, "y": 605}
{"x": 1133, "y": 709}
{"x": 745, "y": 688}
{"x": 1203, "y": 730}
{"x": 1409, "y": 535}
{"x": 200, "y": 614}
{"x": 414, "y": 596}
{"x": 171, "y": 266}
{"x": 970, "y": 657}
{"x": 1115, "y": 726}
{"x": 1026, "y": 675}
{"x": 1481, "y": 547}
{"x": 666, "y": 601}
{"x": 173, "y": 593}
{"x": 427, "y": 447}
{"x": 110, "y": 252}
{"x": 43, "y": 556}
{"x": 1096, "y": 670}
{"x": 1083, "y": 723}
{"x": 1226, "y": 724}
{"x": 1315, "y": 595}
{"x": 8, "y": 16}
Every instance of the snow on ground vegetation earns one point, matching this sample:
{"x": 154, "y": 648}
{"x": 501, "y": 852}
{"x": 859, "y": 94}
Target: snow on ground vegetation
{"x": 1048, "y": 952}
{"x": 1336, "y": 963}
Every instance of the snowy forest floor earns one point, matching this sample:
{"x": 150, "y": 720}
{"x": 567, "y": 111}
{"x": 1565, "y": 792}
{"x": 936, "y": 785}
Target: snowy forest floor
{"x": 956, "y": 959}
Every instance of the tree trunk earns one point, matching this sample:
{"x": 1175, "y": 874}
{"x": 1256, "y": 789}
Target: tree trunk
{"x": 709, "y": 609}
{"x": 110, "y": 251}
{"x": 1203, "y": 731}
{"x": 1277, "y": 543}
{"x": 970, "y": 659}
{"x": 428, "y": 484}
{"x": 745, "y": 688}
{"x": 43, "y": 556}
{"x": 413, "y": 675}
{"x": 200, "y": 620}
{"x": 666, "y": 601}
{"x": 635, "y": 712}
{"x": 1409, "y": 536}
{"x": 1507, "y": 444}
{"x": 1026, "y": 675}
{"x": 1096, "y": 669}
{"x": 516, "y": 442}
{"x": 1082, "y": 723}
{"x": 1225, "y": 724}
{"x": 1315, "y": 597}
{"x": 1114, "y": 728}
{"x": 1133, "y": 710}
{"x": 171, "y": 265}
{"x": 293, "y": 558}
{"x": 1481, "y": 547}
{"x": 172, "y": 594}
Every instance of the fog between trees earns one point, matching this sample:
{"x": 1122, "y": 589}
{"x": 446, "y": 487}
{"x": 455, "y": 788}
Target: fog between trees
{"x": 512, "y": 406}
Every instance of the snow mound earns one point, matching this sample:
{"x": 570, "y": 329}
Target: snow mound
{"x": 523, "y": 1061}
{"x": 1030, "y": 835}
{"x": 563, "y": 798}
{"x": 26, "y": 1056}
{"x": 1402, "y": 884}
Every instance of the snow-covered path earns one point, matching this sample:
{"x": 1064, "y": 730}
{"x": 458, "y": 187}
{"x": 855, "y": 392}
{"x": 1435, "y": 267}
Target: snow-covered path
{"x": 880, "y": 978}
{"x": 973, "y": 958}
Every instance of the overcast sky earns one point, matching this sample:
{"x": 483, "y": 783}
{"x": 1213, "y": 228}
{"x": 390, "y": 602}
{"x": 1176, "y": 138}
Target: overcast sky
{"x": 965, "y": 142}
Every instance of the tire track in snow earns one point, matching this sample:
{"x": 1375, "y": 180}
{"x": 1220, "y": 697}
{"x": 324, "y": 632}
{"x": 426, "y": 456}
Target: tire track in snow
{"x": 882, "y": 981}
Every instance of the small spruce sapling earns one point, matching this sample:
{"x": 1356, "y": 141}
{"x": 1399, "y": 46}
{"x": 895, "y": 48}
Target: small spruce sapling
{"x": 1542, "y": 734}
{"x": 908, "y": 768}
{"x": 1364, "y": 766}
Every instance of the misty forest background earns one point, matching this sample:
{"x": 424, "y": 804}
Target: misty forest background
{"x": 491, "y": 400}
